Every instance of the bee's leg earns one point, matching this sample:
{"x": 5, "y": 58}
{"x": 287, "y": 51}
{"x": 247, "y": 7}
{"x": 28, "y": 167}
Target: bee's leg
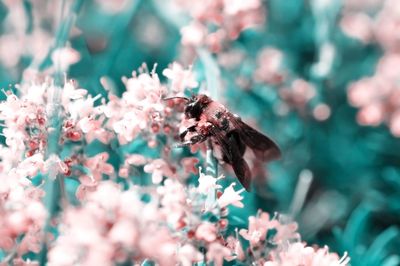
{"x": 183, "y": 134}
{"x": 198, "y": 138}
{"x": 182, "y": 144}
{"x": 193, "y": 140}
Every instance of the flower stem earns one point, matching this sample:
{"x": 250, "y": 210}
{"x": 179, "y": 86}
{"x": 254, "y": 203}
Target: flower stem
{"x": 55, "y": 188}
{"x": 211, "y": 169}
{"x": 212, "y": 72}
{"x": 301, "y": 191}
{"x": 62, "y": 34}
{"x": 8, "y": 260}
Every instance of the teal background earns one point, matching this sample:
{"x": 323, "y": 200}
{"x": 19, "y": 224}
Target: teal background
{"x": 353, "y": 203}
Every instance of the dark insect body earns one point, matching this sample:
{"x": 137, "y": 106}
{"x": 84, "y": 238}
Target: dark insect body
{"x": 212, "y": 120}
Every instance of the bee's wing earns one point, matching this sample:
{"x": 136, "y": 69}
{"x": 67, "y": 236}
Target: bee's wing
{"x": 230, "y": 149}
{"x": 262, "y": 146}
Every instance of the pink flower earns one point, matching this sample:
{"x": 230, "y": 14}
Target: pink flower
{"x": 81, "y": 108}
{"x": 217, "y": 252}
{"x": 358, "y": 26}
{"x": 88, "y": 124}
{"x": 270, "y": 66}
{"x": 31, "y": 165}
{"x": 71, "y": 92}
{"x": 395, "y": 124}
{"x": 301, "y": 92}
{"x": 286, "y": 232}
{"x": 124, "y": 232}
{"x": 234, "y": 7}
{"x": 300, "y": 254}
{"x": 173, "y": 198}
{"x": 193, "y": 34}
{"x": 236, "y": 248}
{"x": 159, "y": 245}
{"x": 387, "y": 65}
{"x": 23, "y": 214}
{"x": 362, "y": 92}
{"x": 258, "y": 228}
{"x": 206, "y": 231}
{"x": 11, "y": 48}
{"x": 54, "y": 166}
{"x": 180, "y": 79}
{"x": 88, "y": 181}
{"x": 229, "y": 18}
{"x": 64, "y": 57}
{"x": 322, "y": 112}
{"x": 28, "y": 262}
{"x": 159, "y": 168}
{"x": 98, "y": 165}
{"x": 123, "y": 172}
{"x": 93, "y": 129}
{"x": 107, "y": 196}
{"x": 189, "y": 165}
{"x": 371, "y": 115}
{"x": 386, "y": 29}
{"x": 187, "y": 255}
{"x": 136, "y": 159}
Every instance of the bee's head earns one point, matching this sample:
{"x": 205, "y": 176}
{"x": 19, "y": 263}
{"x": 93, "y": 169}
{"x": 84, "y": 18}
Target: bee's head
{"x": 195, "y": 106}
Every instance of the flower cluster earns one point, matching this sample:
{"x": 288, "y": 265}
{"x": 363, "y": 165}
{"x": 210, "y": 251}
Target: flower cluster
{"x": 372, "y": 22}
{"x": 173, "y": 225}
{"x": 21, "y": 210}
{"x": 167, "y": 222}
{"x": 141, "y": 111}
{"x": 130, "y": 206}
{"x": 270, "y": 66}
{"x": 37, "y": 30}
{"x": 295, "y": 93}
{"x": 162, "y": 224}
{"x": 215, "y": 23}
{"x": 376, "y": 96}
{"x": 142, "y": 106}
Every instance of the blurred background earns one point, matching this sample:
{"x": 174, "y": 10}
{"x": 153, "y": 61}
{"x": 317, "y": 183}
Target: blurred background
{"x": 321, "y": 77}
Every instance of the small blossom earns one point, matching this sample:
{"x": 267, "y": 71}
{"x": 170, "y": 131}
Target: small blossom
{"x": 217, "y": 253}
{"x": 207, "y": 183}
{"x": 206, "y": 231}
{"x": 159, "y": 168}
{"x": 188, "y": 255}
{"x": 258, "y": 228}
{"x": 358, "y": 26}
{"x": 299, "y": 253}
{"x": 231, "y": 197}
{"x": 98, "y": 165}
{"x": 31, "y": 165}
{"x": 64, "y": 57}
{"x": 180, "y": 79}
{"x": 236, "y": 248}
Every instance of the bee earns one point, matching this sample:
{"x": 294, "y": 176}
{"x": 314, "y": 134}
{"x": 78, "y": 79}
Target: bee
{"x": 207, "y": 119}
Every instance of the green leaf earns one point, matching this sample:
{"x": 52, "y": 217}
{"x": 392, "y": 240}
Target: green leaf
{"x": 376, "y": 252}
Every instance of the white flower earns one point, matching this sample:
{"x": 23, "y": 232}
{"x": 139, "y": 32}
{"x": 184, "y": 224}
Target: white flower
{"x": 207, "y": 183}
{"x": 231, "y": 197}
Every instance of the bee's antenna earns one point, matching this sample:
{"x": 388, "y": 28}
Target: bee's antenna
{"x": 176, "y": 97}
